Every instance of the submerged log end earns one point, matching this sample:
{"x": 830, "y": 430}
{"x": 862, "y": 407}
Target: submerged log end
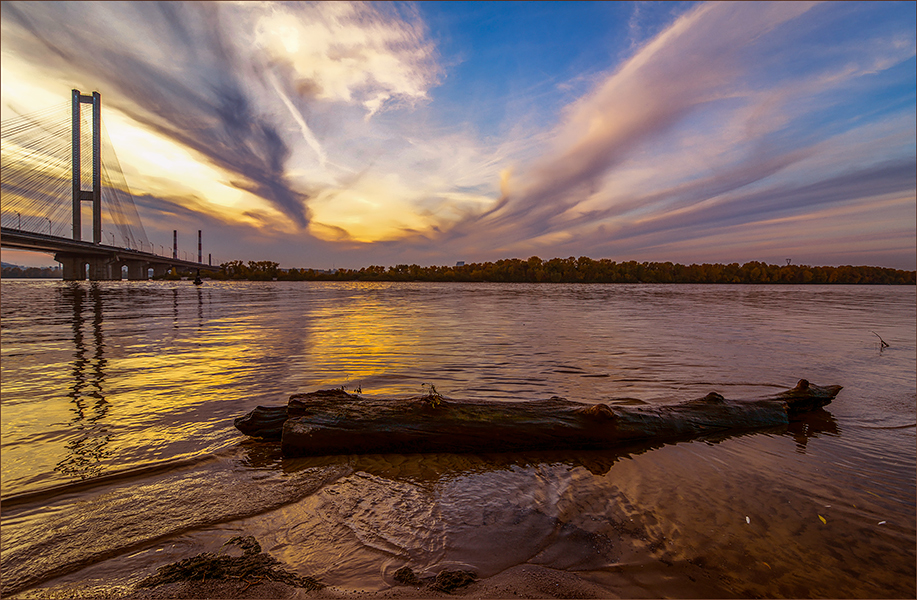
{"x": 263, "y": 421}
{"x": 806, "y": 397}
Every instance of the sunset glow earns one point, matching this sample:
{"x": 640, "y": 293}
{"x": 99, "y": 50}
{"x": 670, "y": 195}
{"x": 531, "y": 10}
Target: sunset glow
{"x": 354, "y": 134}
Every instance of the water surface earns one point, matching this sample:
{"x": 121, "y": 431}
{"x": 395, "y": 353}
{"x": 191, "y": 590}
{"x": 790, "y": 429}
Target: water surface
{"x": 119, "y": 452}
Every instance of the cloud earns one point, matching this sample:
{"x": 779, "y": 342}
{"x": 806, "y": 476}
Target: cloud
{"x": 342, "y": 52}
{"x": 316, "y": 123}
{"x": 297, "y": 116}
{"x": 894, "y": 178}
{"x": 218, "y": 78}
{"x": 697, "y": 129}
{"x": 852, "y": 233}
{"x": 171, "y": 67}
{"x": 690, "y": 64}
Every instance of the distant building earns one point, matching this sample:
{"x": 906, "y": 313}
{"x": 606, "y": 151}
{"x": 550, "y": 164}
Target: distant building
{"x": 460, "y": 263}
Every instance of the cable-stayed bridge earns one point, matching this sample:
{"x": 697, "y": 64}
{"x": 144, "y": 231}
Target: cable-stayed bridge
{"x": 52, "y": 172}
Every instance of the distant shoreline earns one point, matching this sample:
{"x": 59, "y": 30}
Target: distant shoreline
{"x": 17, "y": 272}
{"x": 556, "y": 270}
{"x": 580, "y": 270}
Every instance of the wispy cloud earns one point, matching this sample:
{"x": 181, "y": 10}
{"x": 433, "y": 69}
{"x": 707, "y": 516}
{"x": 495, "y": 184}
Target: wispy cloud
{"x": 691, "y": 64}
{"x": 172, "y": 67}
{"x": 317, "y": 124}
{"x": 376, "y": 56}
{"x": 204, "y": 74}
{"x": 695, "y": 131}
{"x": 297, "y": 116}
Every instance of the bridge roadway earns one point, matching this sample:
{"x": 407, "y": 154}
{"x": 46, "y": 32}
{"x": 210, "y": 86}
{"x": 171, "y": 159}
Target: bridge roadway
{"x": 105, "y": 262}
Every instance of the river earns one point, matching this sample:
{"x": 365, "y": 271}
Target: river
{"x": 119, "y": 454}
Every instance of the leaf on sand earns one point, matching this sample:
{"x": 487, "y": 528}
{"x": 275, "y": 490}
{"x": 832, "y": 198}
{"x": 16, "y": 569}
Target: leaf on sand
{"x": 822, "y": 519}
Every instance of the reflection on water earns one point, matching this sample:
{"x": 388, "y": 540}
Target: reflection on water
{"x": 812, "y": 425}
{"x": 117, "y": 438}
{"x": 98, "y": 378}
{"x": 86, "y": 451}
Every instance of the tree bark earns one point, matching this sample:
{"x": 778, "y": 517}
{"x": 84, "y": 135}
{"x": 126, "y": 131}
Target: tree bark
{"x": 330, "y": 422}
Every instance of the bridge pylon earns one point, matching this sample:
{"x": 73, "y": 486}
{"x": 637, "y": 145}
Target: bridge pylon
{"x": 95, "y": 194}
{"x": 30, "y": 162}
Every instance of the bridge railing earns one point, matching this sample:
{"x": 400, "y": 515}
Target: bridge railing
{"x": 14, "y": 220}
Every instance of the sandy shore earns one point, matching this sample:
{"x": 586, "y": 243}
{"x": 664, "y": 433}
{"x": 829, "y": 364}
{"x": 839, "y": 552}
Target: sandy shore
{"x": 242, "y": 570}
{"x": 523, "y": 581}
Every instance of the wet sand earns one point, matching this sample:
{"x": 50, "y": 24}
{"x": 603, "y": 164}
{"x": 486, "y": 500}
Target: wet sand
{"x": 526, "y": 581}
{"x": 521, "y": 581}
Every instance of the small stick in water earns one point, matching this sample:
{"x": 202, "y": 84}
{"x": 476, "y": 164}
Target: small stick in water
{"x": 884, "y": 344}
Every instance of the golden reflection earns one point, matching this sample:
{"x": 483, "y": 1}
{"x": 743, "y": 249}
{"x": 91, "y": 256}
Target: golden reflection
{"x": 371, "y": 344}
{"x": 200, "y": 308}
{"x": 87, "y": 450}
{"x": 168, "y": 369}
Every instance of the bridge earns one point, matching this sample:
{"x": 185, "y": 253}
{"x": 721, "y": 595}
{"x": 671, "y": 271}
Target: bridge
{"x": 45, "y": 188}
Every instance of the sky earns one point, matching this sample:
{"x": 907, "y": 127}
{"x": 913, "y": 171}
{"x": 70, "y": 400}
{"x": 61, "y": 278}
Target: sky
{"x": 334, "y": 135}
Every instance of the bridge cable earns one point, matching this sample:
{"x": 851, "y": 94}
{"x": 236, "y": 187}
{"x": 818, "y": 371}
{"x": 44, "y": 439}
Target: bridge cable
{"x": 36, "y": 179}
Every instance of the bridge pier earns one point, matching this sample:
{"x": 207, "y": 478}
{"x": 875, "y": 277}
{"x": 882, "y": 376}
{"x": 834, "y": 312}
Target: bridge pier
{"x": 117, "y": 269}
{"x": 104, "y": 269}
{"x": 137, "y": 270}
{"x": 101, "y": 268}
{"x": 160, "y": 270}
{"x": 74, "y": 267}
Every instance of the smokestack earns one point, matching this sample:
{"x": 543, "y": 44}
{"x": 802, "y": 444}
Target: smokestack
{"x": 209, "y": 260}
{"x": 200, "y": 257}
{"x": 175, "y": 243}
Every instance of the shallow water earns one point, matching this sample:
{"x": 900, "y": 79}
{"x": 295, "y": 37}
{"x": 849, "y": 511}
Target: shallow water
{"x": 118, "y": 451}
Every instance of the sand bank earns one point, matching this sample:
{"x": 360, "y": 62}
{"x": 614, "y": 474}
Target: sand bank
{"x": 523, "y": 581}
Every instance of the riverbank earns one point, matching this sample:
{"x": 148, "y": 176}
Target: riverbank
{"x": 241, "y": 569}
{"x": 521, "y": 581}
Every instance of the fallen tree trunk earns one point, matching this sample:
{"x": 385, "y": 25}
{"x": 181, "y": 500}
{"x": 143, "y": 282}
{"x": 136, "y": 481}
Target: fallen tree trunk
{"x": 334, "y": 422}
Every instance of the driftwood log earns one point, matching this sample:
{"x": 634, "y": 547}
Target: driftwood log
{"x": 330, "y": 422}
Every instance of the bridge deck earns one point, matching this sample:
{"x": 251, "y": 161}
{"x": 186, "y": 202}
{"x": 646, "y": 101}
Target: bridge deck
{"x": 65, "y": 249}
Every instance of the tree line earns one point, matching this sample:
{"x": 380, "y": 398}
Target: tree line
{"x": 579, "y": 270}
{"x": 31, "y": 273}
